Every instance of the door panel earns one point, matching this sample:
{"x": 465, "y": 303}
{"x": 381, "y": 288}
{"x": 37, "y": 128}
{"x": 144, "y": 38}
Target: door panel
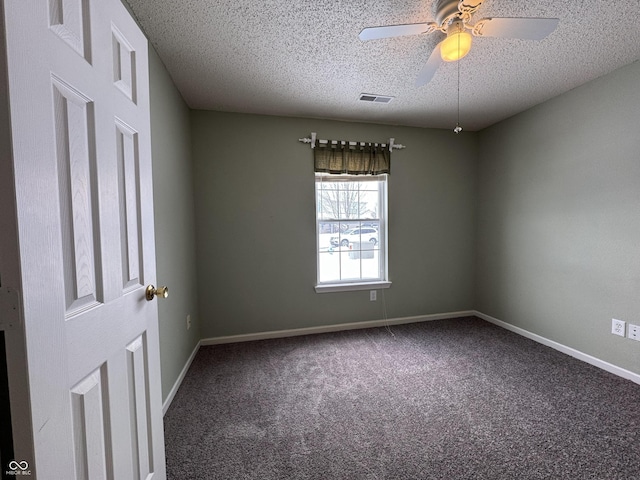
{"x": 79, "y": 105}
{"x": 138, "y": 377}
{"x": 74, "y": 126}
{"x": 69, "y": 19}
{"x": 128, "y": 194}
{"x": 88, "y": 404}
{"x": 124, "y": 64}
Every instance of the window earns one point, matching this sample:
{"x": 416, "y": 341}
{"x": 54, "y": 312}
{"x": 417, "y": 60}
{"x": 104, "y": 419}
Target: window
{"x": 351, "y": 232}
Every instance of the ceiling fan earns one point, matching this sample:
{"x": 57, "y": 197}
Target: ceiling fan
{"x": 453, "y": 17}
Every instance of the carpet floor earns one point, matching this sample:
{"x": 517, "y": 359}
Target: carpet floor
{"x": 450, "y": 399}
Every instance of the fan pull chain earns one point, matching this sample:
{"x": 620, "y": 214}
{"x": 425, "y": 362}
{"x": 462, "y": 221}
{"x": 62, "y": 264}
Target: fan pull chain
{"x": 458, "y": 128}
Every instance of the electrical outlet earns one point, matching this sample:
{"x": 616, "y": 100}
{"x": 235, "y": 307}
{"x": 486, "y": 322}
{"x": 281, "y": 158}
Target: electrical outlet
{"x": 188, "y": 322}
{"x": 634, "y": 332}
{"x": 617, "y": 327}
{"x": 373, "y": 295}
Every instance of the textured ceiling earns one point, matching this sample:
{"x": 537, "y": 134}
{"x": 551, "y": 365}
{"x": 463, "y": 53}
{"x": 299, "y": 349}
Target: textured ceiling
{"x": 304, "y": 58}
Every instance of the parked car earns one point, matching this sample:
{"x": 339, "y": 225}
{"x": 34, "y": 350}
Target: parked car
{"x": 358, "y": 234}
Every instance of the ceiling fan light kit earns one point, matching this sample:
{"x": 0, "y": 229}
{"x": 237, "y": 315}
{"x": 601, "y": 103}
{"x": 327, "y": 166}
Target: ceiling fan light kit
{"x": 457, "y": 44}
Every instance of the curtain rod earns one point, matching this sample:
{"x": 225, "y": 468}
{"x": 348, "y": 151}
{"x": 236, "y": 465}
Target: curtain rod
{"x": 312, "y": 141}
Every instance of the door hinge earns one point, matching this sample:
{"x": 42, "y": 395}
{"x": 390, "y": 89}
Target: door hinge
{"x": 9, "y": 308}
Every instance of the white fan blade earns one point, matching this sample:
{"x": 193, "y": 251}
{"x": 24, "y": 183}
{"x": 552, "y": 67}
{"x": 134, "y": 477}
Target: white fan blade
{"x": 429, "y": 70}
{"x": 374, "y": 33}
{"x": 525, "y": 28}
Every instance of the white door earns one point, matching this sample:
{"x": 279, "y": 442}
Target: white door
{"x": 79, "y": 110}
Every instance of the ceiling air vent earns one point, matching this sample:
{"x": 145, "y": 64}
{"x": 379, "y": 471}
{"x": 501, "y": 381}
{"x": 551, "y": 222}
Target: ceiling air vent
{"x": 368, "y": 97}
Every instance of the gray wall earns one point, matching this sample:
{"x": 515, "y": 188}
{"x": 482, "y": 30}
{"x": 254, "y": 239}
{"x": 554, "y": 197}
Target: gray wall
{"x": 255, "y": 224}
{"x": 174, "y": 222}
{"x": 559, "y": 218}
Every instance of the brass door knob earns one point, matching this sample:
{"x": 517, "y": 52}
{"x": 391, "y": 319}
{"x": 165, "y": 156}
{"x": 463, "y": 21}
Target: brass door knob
{"x": 162, "y": 292}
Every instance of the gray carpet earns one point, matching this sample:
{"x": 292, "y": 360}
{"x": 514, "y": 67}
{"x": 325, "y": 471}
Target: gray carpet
{"x": 451, "y": 399}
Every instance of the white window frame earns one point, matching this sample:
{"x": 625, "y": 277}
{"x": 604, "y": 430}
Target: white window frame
{"x": 360, "y": 284}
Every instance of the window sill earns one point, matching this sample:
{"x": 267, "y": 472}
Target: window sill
{"x": 349, "y": 287}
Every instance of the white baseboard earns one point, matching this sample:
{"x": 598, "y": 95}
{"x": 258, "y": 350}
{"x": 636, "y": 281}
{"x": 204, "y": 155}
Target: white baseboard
{"x": 178, "y": 382}
{"x": 609, "y": 367}
{"x": 294, "y": 332}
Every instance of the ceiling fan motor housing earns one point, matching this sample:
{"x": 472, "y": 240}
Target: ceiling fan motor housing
{"x": 449, "y": 10}
{"x": 444, "y": 9}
